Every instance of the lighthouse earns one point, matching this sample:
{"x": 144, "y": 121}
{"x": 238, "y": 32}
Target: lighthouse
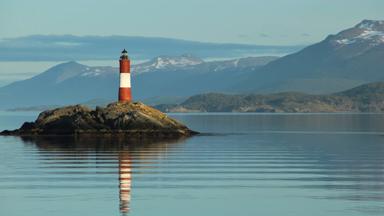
{"x": 125, "y": 78}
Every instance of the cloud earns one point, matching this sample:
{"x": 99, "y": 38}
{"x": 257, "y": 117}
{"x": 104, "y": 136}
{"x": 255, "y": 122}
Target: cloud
{"x": 243, "y": 36}
{"x": 264, "y": 35}
{"x": 246, "y": 36}
{"x": 70, "y": 47}
{"x": 305, "y": 35}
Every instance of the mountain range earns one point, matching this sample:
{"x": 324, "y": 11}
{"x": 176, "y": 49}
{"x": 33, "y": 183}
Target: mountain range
{"x": 163, "y": 79}
{"x": 348, "y": 59}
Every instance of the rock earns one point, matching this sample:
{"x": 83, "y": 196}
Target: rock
{"x": 132, "y": 119}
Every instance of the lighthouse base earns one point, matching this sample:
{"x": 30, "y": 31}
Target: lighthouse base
{"x": 125, "y": 95}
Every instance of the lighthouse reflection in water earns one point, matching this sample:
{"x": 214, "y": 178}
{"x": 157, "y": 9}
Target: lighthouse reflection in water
{"x": 108, "y": 157}
{"x": 125, "y": 179}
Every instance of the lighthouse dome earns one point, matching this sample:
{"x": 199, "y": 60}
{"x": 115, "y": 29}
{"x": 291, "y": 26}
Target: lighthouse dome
{"x": 124, "y": 54}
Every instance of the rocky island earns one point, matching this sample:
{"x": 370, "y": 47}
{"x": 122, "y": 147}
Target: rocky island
{"x": 132, "y": 119}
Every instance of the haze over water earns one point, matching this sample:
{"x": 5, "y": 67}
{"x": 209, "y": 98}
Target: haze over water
{"x": 245, "y": 164}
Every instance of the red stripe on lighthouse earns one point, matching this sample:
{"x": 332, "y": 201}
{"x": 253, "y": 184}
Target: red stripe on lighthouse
{"x": 125, "y": 94}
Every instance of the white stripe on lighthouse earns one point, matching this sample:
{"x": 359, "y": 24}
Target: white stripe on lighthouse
{"x": 125, "y": 80}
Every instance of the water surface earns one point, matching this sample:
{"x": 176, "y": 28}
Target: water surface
{"x": 246, "y": 164}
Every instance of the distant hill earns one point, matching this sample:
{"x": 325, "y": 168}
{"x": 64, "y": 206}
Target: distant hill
{"x": 163, "y": 79}
{"x": 345, "y": 60}
{"x": 365, "y": 98}
{"x": 70, "y": 48}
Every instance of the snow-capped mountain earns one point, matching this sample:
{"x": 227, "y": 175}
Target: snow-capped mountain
{"x": 369, "y": 32}
{"x": 345, "y": 60}
{"x": 167, "y": 63}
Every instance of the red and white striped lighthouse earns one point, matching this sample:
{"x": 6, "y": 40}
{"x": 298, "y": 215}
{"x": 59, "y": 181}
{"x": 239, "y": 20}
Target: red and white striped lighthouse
{"x": 125, "y": 78}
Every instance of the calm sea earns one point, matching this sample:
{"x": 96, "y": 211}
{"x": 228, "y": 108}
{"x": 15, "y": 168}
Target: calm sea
{"x": 245, "y": 164}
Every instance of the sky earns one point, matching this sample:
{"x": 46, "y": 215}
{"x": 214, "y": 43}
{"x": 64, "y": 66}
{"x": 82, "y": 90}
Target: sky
{"x": 260, "y": 22}
{"x": 264, "y": 22}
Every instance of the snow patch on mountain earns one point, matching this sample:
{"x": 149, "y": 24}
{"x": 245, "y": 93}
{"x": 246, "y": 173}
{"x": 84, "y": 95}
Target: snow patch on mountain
{"x": 236, "y": 62}
{"x": 368, "y": 31}
{"x": 375, "y": 37}
{"x": 370, "y": 24}
{"x": 167, "y": 62}
{"x": 92, "y": 73}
